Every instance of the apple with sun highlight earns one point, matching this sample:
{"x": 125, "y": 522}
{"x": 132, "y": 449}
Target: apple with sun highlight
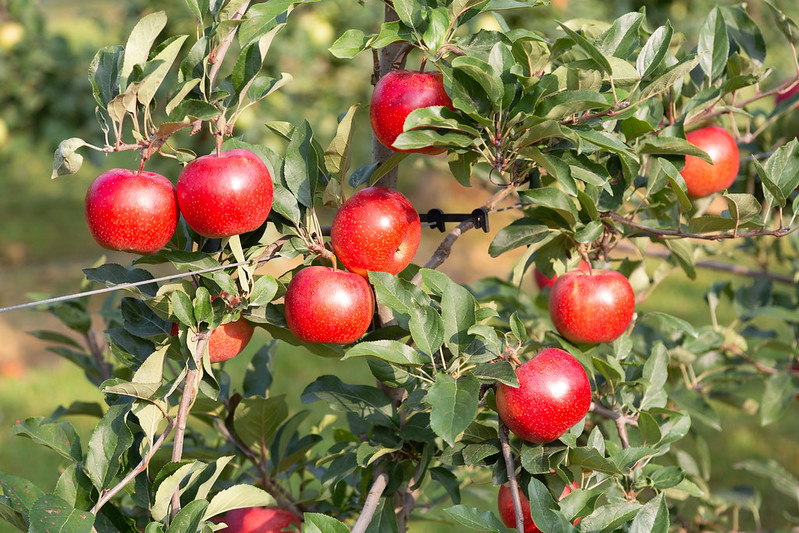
{"x": 131, "y": 211}
{"x": 376, "y": 229}
{"x": 325, "y": 305}
{"x": 221, "y": 195}
{"x": 553, "y": 395}
{"x": 593, "y": 307}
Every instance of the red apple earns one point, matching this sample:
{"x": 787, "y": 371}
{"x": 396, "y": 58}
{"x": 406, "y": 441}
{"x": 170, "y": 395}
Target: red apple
{"x": 543, "y": 282}
{"x": 376, "y": 229}
{"x": 595, "y": 307}
{"x": 396, "y": 95}
{"x": 258, "y": 520}
{"x": 227, "y": 341}
{"x": 553, "y": 395}
{"x": 508, "y": 515}
{"x": 702, "y": 178}
{"x": 226, "y": 194}
{"x": 131, "y": 211}
{"x": 327, "y": 305}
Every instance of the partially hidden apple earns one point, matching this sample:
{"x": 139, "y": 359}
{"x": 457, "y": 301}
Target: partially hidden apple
{"x": 396, "y": 95}
{"x": 258, "y": 520}
{"x": 543, "y": 281}
{"x": 131, "y": 211}
{"x": 227, "y": 340}
{"x": 325, "y": 305}
{"x": 508, "y": 515}
{"x": 591, "y": 307}
{"x": 226, "y": 194}
{"x": 703, "y": 178}
{"x": 376, "y": 229}
{"x": 553, "y": 395}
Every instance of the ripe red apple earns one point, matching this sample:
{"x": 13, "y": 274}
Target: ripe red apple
{"x": 327, "y": 305}
{"x": 226, "y": 341}
{"x": 508, "y": 515}
{"x": 542, "y": 281}
{"x": 595, "y": 307}
{"x": 702, "y": 178}
{"x": 131, "y": 211}
{"x": 258, "y": 520}
{"x": 553, "y": 395}
{"x": 226, "y": 194}
{"x": 396, "y": 95}
{"x": 377, "y": 229}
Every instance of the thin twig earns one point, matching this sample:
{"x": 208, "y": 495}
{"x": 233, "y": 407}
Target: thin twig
{"x": 511, "y": 469}
{"x": 190, "y": 388}
{"x": 107, "y": 495}
{"x": 370, "y": 505}
{"x": 781, "y": 232}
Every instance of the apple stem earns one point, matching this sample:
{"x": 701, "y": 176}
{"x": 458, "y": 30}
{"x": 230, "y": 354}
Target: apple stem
{"x": 511, "y": 470}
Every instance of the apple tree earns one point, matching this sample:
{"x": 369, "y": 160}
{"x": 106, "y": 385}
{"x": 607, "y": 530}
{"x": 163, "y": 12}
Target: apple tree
{"x": 582, "y": 131}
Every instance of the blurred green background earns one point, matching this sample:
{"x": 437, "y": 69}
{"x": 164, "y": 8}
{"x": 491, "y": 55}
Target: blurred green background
{"x": 45, "y": 97}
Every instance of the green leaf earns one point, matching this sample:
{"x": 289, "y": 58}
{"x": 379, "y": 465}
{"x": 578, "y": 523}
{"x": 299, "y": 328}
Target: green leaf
{"x": 552, "y": 198}
{"x": 183, "y": 308}
{"x": 320, "y": 523}
{"x": 104, "y": 74}
{"x": 521, "y": 232}
{"x": 388, "y": 350}
{"x": 670, "y": 322}
{"x": 139, "y": 43}
{"x": 653, "y": 517}
{"x": 677, "y": 183}
{"x": 780, "y": 393}
{"x": 50, "y": 514}
{"x": 484, "y": 75}
{"x": 258, "y": 377}
{"x": 112, "y": 275}
{"x": 592, "y": 459}
{"x": 500, "y": 371}
{"x": 11, "y": 515}
{"x": 683, "y": 253}
{"x": 337, "y": 153}
{"x": 369, "y": 403}
{"x": 592, "y": 51}
{"x": 654, "y": 50}
{"x": 786, "y": 25}
{"x": 237, "y": 497}
{"x": 256, "y": 419}
{"x": 168, "y": 480}
{"x": 193, "y": 109}
{"x": 300, "y": 166}
{"x": 20, "y": 493}
{"x": 66, "y": 159}
{"x": 350, "y": 44}
{"x": 610, "y": 517}
{"x": 782, "y": 169}
{"x": 742, "y": 207}
{"x": 457, "y": 309}
{"x": 475, "y": 519}
{"x": 454, "y": 405}
{"x": 621, "y": 39}
{"x": 714, "y": 45}
{"x": 110, "y": 440}
{"x": 156, "y": 69}
{"x": 783, "y": 480}
{"x": 669, "y": 78}
{"x": 745, "y": 32}
{"x": 188, "y": 518}
{"x": 543, "y": 506}
{"x": 665, "y": 145}
{"x": 60, "y": 437}
{"x": 566, "y": 103}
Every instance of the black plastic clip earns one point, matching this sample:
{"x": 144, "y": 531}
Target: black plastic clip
{"x": 436, "y": 218}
